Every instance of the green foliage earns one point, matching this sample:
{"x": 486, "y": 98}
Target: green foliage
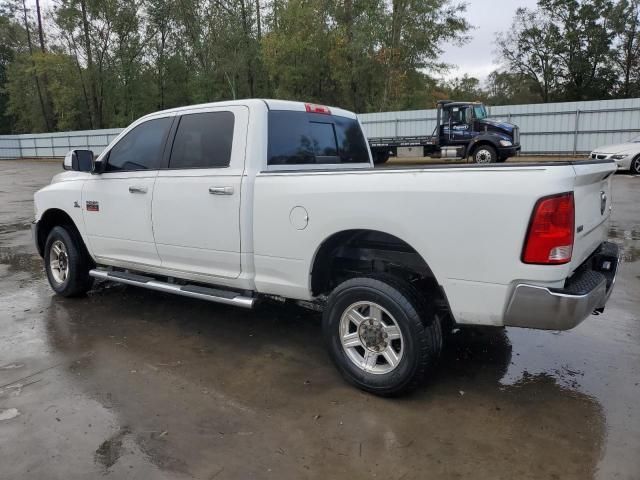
{"x": 104, "y": 63}
{"x": 575, "y": 49}
{"x": 111, "y": 61}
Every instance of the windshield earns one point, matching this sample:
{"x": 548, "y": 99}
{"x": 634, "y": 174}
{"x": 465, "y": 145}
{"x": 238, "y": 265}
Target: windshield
{"x": 479, "y": 112}
{"x": 635, "y": 140}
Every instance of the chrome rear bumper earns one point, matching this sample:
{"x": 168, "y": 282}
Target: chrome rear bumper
{"x": 585, "y": 292}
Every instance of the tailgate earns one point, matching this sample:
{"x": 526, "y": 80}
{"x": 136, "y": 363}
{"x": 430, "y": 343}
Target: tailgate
{"x": 592, "y": 194}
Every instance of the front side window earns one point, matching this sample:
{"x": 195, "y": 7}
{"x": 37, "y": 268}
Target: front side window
{"x": 203, "y": 140}
{"x": 480, "y": 112}
{"x": 141, "y": 148}
{"x": 301, "y": 138}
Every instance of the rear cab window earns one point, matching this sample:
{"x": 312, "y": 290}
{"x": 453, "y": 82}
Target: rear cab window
{"x": 312, "y": 139}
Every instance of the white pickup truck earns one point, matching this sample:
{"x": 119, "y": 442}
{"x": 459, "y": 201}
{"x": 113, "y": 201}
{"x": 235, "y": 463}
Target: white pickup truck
{"x": 240, "y": 201}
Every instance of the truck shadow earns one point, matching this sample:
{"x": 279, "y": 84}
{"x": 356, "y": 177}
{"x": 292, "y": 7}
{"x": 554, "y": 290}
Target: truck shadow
{"x": 261, "y": 380}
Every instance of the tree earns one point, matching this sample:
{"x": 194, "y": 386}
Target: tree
{"x": 575, "y": 49}
{"x": 529, "y": 50}
{"x": 12, "y": 45}
{"x": 504, "y": 88}
{"x": 586, "y": 32}
{"x": 414, "y": 34}
{"x": 626, "y": 16}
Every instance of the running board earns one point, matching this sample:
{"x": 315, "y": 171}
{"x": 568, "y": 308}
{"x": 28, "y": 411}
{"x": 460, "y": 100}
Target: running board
{"x": 193, "y": 291}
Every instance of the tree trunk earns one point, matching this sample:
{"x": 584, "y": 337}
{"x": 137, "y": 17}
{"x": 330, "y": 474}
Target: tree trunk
{"x": 258, "y": 20}
{"x": 33, "y": 63}
{"x": 48, "y": 102}
{"x": 93, "y": 91}
{"x": 72, "y": 46}
{"x": 247, "y": 36}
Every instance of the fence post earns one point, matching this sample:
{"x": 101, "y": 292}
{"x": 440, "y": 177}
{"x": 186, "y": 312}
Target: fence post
{"x": 575, "y": 132}
{"x": 396, "y": 127}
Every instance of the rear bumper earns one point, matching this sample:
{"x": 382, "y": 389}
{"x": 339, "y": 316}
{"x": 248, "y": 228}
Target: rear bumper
{"x": 586, "y": 292}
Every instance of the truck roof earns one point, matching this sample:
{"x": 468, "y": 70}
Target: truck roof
{"x": 271, "y": 104}
{"x": 451, "y": 103}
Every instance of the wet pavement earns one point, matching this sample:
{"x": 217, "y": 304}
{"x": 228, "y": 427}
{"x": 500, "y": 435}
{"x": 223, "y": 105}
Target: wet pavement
{"x": 129, "y": 383}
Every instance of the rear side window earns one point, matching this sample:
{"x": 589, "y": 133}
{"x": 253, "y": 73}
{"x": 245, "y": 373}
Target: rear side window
{"x": 301, "y": 138}
{"x": 203, "y": 140}
{"x": 141, "y": 148}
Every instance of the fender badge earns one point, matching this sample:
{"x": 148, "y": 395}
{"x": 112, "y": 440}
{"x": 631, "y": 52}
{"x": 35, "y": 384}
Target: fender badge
{"x": 93, "y": 206}
{"x": 76, "y": 204}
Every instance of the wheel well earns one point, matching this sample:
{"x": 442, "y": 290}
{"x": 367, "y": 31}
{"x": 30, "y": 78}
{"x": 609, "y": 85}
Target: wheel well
{"x": 481, "y": 143}
{"x": 52, "y": 218}
{"x": 353, "y": 253}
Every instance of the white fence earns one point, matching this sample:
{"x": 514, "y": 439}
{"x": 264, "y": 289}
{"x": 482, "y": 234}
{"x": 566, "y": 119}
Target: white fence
{"x": 552, "y": 128}
{"x": 55, "y": 144}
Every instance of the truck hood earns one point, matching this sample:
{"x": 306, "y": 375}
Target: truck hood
{"x": 67, "y": 175}
{"x": 497, "y": 124}
{"x": 628, "y": 147}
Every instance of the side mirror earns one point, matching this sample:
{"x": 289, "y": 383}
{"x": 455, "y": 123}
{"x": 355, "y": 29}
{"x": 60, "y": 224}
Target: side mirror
{"x": 79, "y": 161}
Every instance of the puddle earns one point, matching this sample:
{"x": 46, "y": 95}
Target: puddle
{"x": 21, "y": 261}
{"x": 628, "y": 239}
{"x": 11, "y": 366}
{"x": 14, "y": 227}
{"x": 111, "y": 449}
{"x": 8, "y": 414}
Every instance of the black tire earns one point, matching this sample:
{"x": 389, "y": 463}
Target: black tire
{"x": 635, "y": 165}
{"x": 415, "y": 317}
{"x": 77, "y": 281}
{"x": 484, "y": 154}
{"x": 380, "y": 157}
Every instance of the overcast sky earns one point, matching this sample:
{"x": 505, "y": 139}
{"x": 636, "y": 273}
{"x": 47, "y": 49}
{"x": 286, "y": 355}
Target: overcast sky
{"x": 476, "y": 58}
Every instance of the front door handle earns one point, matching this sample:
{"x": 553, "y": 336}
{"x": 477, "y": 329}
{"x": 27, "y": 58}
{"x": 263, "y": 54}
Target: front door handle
{"x": 221, "y": 190}
{"x": 137, "y": 189}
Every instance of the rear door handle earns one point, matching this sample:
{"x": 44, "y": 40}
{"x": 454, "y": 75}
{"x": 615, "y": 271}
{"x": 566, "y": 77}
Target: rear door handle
{"x": 221, "y": 190}
{"x": 137, "y": 189}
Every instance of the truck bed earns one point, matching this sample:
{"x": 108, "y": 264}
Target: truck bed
{"x": 402, "y": 141}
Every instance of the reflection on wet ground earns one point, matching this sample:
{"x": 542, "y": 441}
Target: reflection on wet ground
{"x": 137, "y": 384}
{"x": 628, "y": 238}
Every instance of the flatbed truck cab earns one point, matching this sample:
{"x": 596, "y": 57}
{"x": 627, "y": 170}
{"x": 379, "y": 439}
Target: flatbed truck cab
{"x": 463, "y": 130}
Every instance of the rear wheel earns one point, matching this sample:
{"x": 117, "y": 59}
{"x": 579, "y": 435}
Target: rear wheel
{"x": 635, "y": 165}
{"x": 381, "y": 334}
{"x": 380, "y": 157}
{"x": 66, "y": 263}
{"x": 485, "y": 154}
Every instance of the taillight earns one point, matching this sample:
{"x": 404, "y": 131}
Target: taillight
{"x": 313, "y": 108}
{"x": 549, "y": 240}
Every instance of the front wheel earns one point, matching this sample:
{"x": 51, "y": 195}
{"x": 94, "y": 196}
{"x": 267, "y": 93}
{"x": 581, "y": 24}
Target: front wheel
{"x": 66, "y": 263}
{"x": 485, "y": 154}
{"x": 635, "y": 165}
{"x": 381, "y": 334}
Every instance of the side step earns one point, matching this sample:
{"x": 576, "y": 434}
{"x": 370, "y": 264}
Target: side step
{"x": 193, "y": 291}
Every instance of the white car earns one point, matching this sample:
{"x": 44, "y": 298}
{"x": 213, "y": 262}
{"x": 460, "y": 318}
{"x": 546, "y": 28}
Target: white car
{"x": 626, "y": 155}
{"x": 243, "y": 201}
